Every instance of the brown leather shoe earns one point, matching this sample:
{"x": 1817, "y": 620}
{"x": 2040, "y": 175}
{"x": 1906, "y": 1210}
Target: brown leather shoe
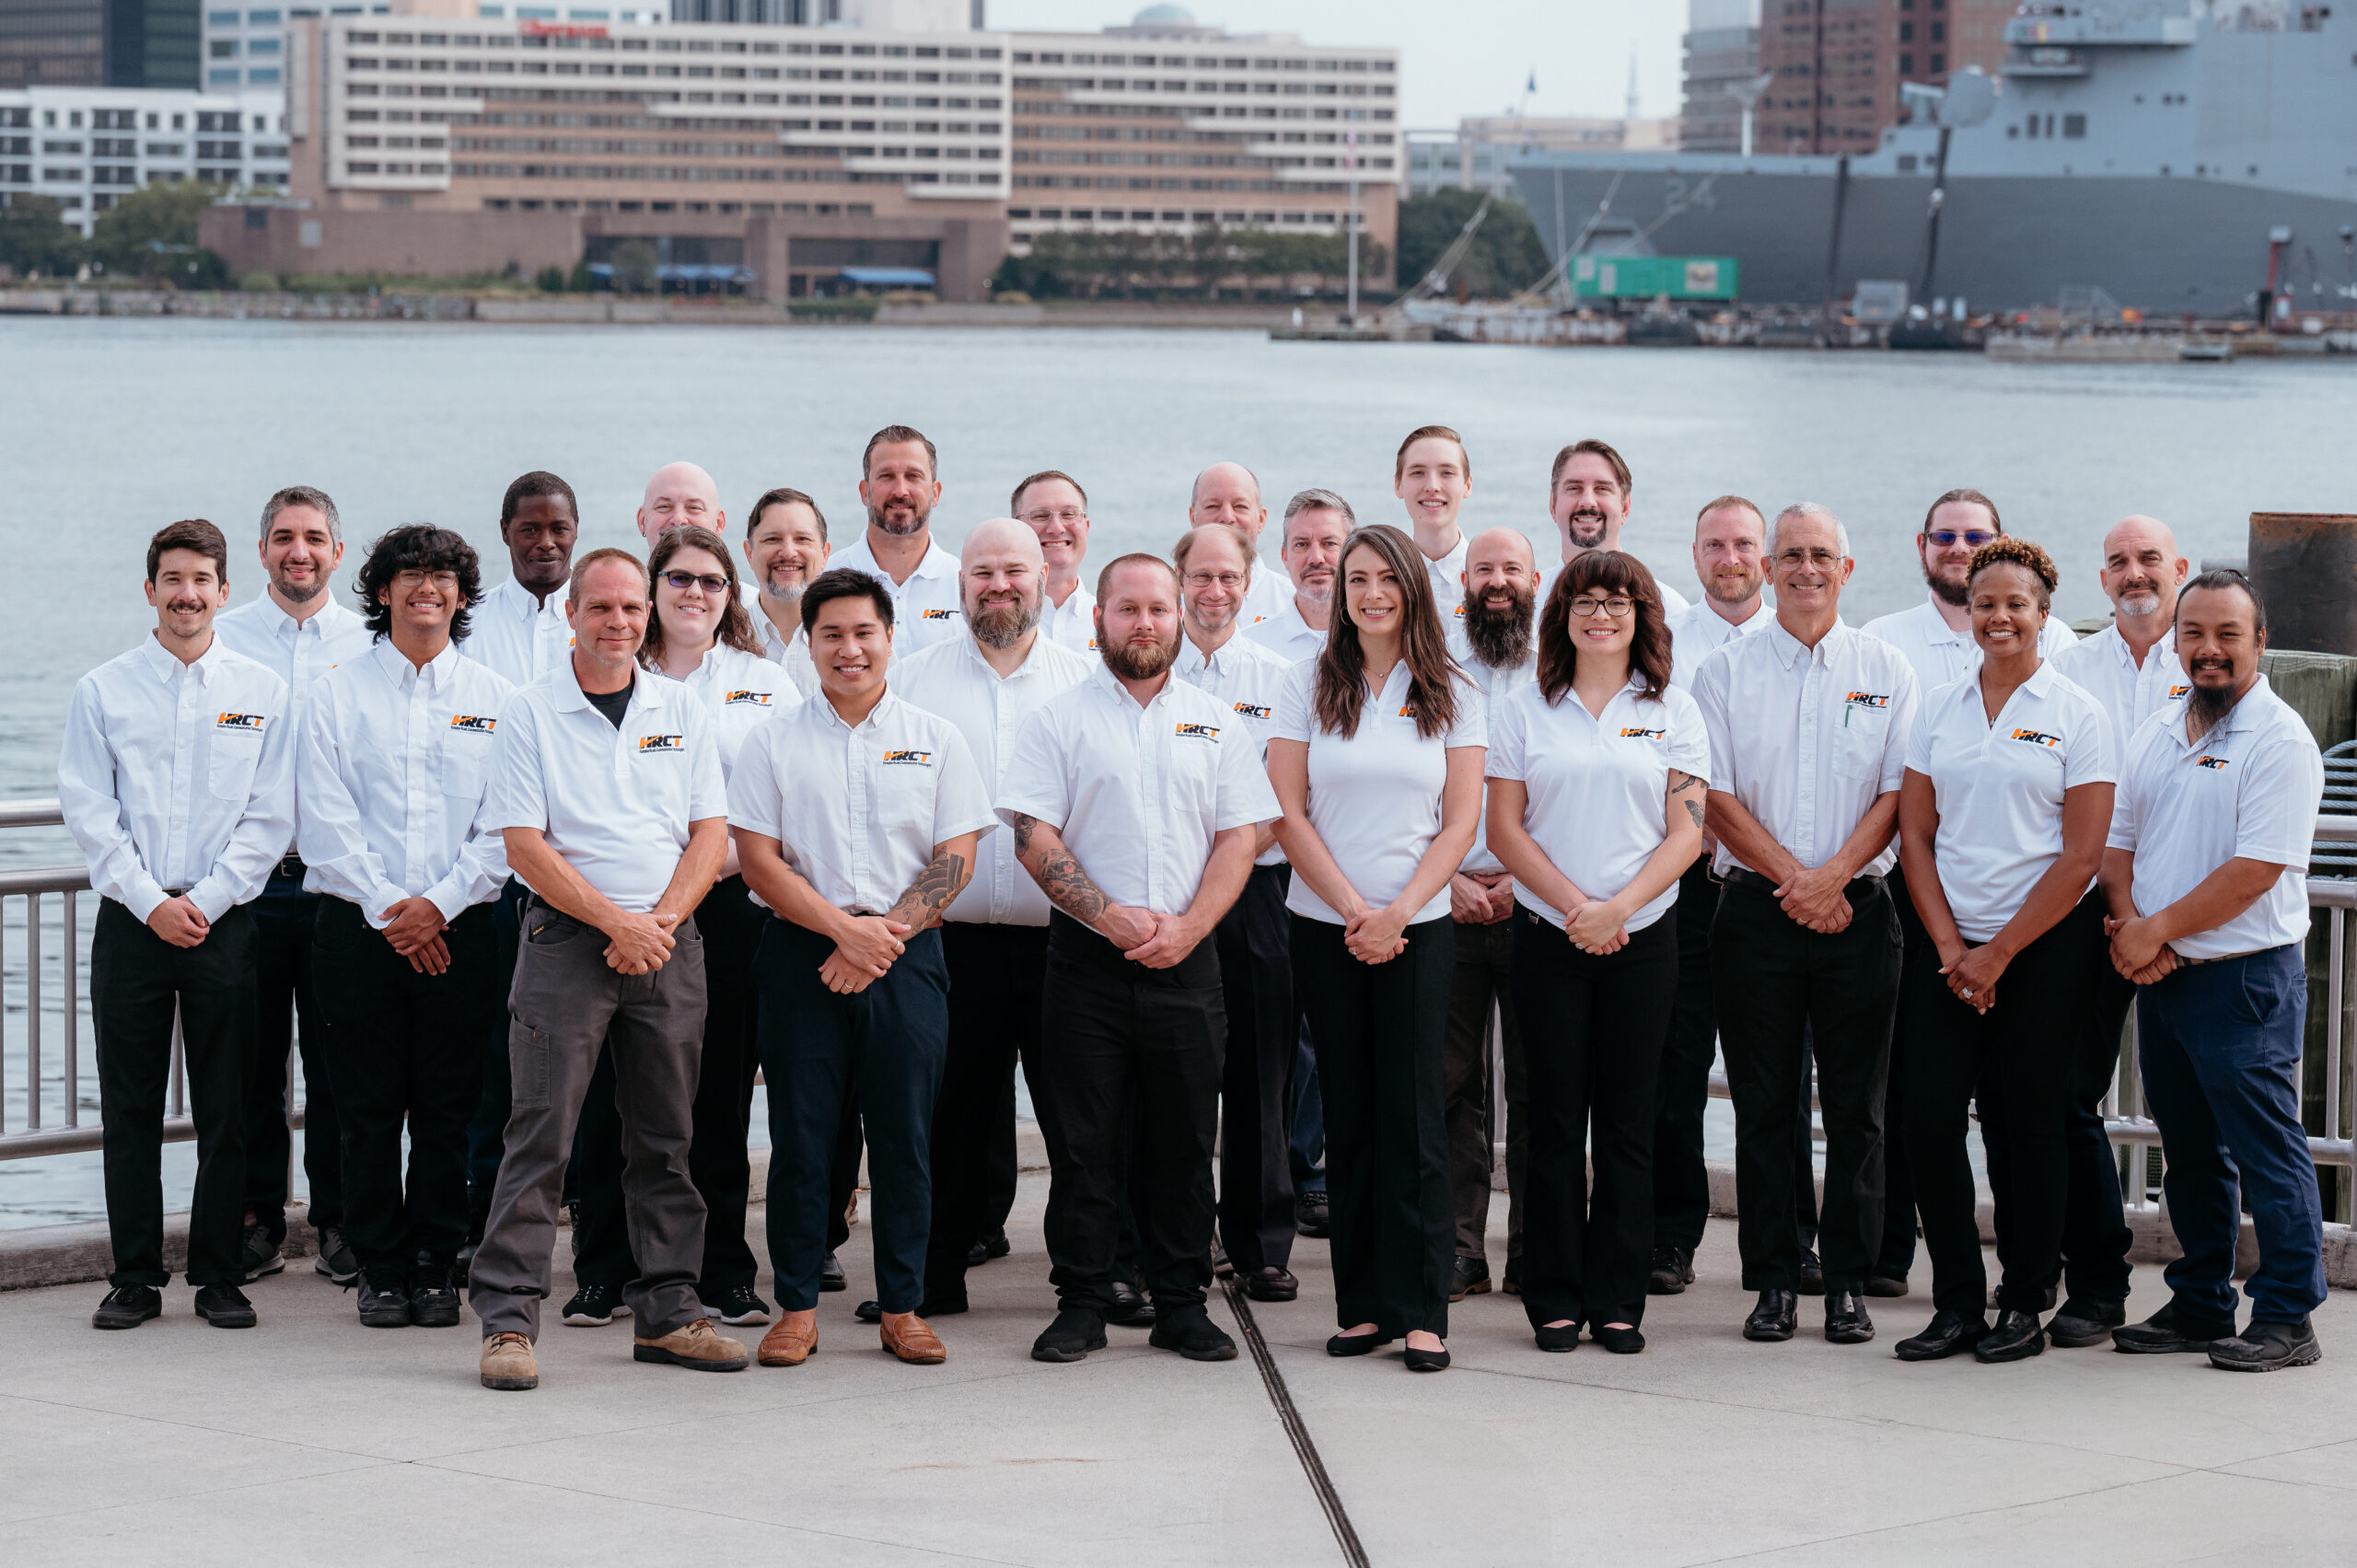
{"x": 791, "y": 1340}
{"x": 914, "y": 1341}
{"x": 508, "y": 1363}
{"x": 698, "y": 1347}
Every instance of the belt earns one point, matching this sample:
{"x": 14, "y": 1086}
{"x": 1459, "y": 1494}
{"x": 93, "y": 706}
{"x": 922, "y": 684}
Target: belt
{"x": 1858, "y": 887}
{"x": 290, "y": 865}
{"x": 2223, "y": 957}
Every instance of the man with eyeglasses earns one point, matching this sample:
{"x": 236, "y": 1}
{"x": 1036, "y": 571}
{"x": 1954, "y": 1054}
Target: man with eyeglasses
{"x": 1056, "y": 509}
{"x": 1230, "y": 493}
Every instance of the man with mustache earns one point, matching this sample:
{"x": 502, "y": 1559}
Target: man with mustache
{"x": 1432, "y": 474}
{"x": 1230, "y": 493}
{"x": 785, "y": 546}
{"x": 1588, "y": 495}
{"x": 1317, "y": 522}
{"x": 1055, "y": 508}
{"x": 1490, "y": 636}
{"x": 676, "y": 495}
{"x": 899, "y": 488}
{"x": 2206, "y": 875}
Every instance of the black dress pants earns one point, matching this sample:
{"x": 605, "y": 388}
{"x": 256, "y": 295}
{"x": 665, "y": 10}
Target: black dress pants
{"x": 1776, "y": 984}
{"x": 1681, "y": 1182}
{"x": 1597, "y": 1024}
{"x": 1895, "y": 1252}
{"x": 1116, "y": 1037}
{"x": 404, "y": 1047}
{"x": 137, "y": 978}
{"x": 1381, "y": 1030}
{"x": 1256, "y": 1215}
{"x": 996, "y": 973}
{"x": 717, "y": 1160}
{"x": 287, "y": 1018}
{"x": 1483, "y": 975}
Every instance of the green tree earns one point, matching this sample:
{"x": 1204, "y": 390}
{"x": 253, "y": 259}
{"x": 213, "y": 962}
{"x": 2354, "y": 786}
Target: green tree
{"x": 583, "y": 280}
{"x": 634, "y": 262}
{"x": 549, "y": 280}
{"x": 1505, "y": 258}
{"x": 34, "y": 239}
{"x": 151, "y": 233}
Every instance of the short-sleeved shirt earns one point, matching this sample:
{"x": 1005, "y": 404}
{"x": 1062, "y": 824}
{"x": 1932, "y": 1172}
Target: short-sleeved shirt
{"x": 1698, "y": 630}
{"x": 791, "y": 654}
{"x": 2105, "y": 668}
{"x": 1286, "y": 634}
{"x": 927, "y": 607}
{"x": 1246, "y": 677}
{"x": 742, "y": 691}
{"x": 1496, "y": 685}
{"x": 1938, "y": 652}
{"x": 2247, "y": 790}
{"x": 1375, "y": 798}
{"x": 1999, "y": 787}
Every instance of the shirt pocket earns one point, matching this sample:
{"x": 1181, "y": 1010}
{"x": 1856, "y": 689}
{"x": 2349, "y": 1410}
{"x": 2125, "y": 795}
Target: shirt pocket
{"x": 236, "y": 753}
{"x": 466, "y": 764}
{"x": 1860, "y": 741}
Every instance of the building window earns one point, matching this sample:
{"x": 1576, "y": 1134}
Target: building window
{"x": 264, "y": 76}
{"x": 2074, "y": 125}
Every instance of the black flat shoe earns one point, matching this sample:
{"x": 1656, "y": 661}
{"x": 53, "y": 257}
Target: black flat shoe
{"x": 1558, "y": 1341}
{"x": 870, "y": 1312}
{"x": 1619, "y": 1341}
{"x": 1774, "y": 1317}
{"x": 1846, "y": 1322}
{"x": 1132, "y": 1308}
{"x": 1948, "y": 1333}
{"x": 2085, "y": 1320}
{"x": 1426, "y": 1360}
{"x": 1357, "y": 1344}
{"x": 2017, "y": 1337}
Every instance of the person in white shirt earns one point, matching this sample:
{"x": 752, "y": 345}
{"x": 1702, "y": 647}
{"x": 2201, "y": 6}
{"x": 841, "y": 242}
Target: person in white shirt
{"x": 898, "y": 487}
{"x": 1317, "y": 522}
{"x": 1597, "y": 778}
{"x": 1135, "y": 802}
{"x": 679, "y": 495}
{"x": 1808, "y": 722}
{"x": 1056, "y": 509}
{"x": 786, "y": 548}
{"x": 857, "y": 815}
{"x": 995, "y": 937}
{"x": 1589, "y": 492}
{"x": 607, "y": 787}
{"x": 392, "y": 771}
{"x": 296, "y": 628}
{"x": 701, "y": 635}
{"x": 1730, "y": 562}
{"x": 177, "y": 782}
{"x": 1491, "y": 637}
{"x": 1230, "y": 493}
{"x": 2001, "y": 818}
{"x": 2130, "y": 666}
{"x": 1376, "y": 759}
{"x": 1432, "y": 474}
{"x": 1257, "y": 1214}
{"x": 2206, "y": 872}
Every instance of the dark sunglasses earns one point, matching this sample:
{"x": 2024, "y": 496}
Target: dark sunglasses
{"x": 1946, "y": 537}
{"x": 709, "y": 582}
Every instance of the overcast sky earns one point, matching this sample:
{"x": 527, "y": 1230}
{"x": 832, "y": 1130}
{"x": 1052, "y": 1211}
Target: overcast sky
{"x": 1470, "y": 57}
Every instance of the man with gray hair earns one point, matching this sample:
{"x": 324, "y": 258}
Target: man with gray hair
{"x": 1317, "y": 522}
{"x": 1808, "y": 722}
{"x": 300, "y": 633}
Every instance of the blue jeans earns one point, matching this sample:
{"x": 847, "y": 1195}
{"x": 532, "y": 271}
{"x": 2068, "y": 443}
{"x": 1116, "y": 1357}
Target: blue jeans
{"x": 1308, "y": 1141}
{"x": 2219, "y": 1047}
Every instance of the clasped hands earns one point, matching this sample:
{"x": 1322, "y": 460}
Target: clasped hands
{"x": 2138, "y": 951}
{"x": 1819, "y": 898}
{"x": 1157, "y": 941}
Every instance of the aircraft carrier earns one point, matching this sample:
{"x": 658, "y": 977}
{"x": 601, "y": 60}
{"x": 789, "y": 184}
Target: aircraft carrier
{"x": 2181, "y": 156}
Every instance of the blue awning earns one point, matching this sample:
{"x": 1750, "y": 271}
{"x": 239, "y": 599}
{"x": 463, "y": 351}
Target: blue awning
{"x": 887, "y": 277}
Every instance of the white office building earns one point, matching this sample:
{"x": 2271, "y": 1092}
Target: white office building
{"x": 85, "y": 146}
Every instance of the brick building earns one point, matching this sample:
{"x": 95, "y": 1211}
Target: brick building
{"x": 1839, "y": 65}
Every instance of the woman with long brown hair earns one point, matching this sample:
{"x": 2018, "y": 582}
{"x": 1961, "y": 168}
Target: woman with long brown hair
{"x": 1376, "y": 754}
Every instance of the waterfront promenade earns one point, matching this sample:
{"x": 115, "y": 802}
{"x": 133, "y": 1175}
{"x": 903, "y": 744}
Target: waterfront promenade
{"x": 311, "y": 1434}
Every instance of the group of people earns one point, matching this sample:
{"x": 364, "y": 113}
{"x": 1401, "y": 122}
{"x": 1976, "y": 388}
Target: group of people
{"x": 1240, "y": 865}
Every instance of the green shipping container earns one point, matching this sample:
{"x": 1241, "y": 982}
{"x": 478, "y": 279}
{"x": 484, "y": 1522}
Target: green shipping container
{"x": 1650, "y": 277}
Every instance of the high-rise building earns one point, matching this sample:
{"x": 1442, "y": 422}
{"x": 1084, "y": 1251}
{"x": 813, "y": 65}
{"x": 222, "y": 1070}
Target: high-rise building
{"x": 114, "y": 44}
{"x": 1839, "y": 65}
{"x": 1722, "y": 60}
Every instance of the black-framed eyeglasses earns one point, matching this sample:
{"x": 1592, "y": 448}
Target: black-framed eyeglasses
{"x": 417, "y": 577}
{"x": 710, "y": 582}
{"x": 1618, "y": 608}
{"x": 1944, "y": 538}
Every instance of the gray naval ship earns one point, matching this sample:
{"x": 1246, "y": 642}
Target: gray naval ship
{"x": 2182, "y": 156}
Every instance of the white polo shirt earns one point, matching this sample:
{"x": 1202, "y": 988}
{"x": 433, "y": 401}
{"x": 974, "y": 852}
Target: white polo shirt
{"x": 1598, "y": 786}
{"x": 857, "y": 810}
{"x": 1138, "y": 792}
{"x": 1269, "y": 594}
{"x": 1999, "y": 787}
{"x": 392, "y": 774}
{"x": 1808, "y": 739}
{"x": 297, "y": 652}
{"x": 179, "y": 775}
{"x": 2103, "y": 667}
{"x": 1673, "y": 603}
{"x": 2250, "y": 790}
{"x": 741, "y": 690}
{"x": 1072, "y": 625}
{"x": 1375, "y": 798}
{"x": 615, "y": 803}
{"x": 1496, "y": 685}
{"x": 519, "y": 638}
{"x": 1939, "y": 654}
{"x": 1286, "y": 634}
{"x": 926, "y": 608}
{"x": 789, "y": 653}
{"x": 1247, "y": 677}
{"x": 955, "y": 681}
{"x": 1698, "y": 630}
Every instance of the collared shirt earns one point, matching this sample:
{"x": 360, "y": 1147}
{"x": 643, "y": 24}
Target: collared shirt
{"x": 2103, "y": 667}
{"x": 955, "y": 681}
{"x": 1939, "y": 654}
{"x": 520, "y": 638}
{"x": 179, "y": 775}
{"x": 1375, "y": 798}
{"x": 1286, "y": 634}
{"x": 1598, "y": 784}
{"x": 1448, "y": 576}
{"x": 1999, "y": 787}
{"x": 857, "y": 810}
{"x": 392, "y": 774}
{"x": 297, "y": 652}
{"x": 1808, "y": 739}
{"x": 1137, "y": 792}
{"x": 741, "y": 690}
{"x": 2247, "y": 790}
{"x": 1071, "y": 623}
{"x": 926, "y": 608}
{"x": 1269, "y": 596}
{"x": 1673, "y": 603}
{"x": 1698, "y": 630}
{"x": 616, "y": 803}
{"x": 1246, "y": 677}
{"x": 1497, "y": 685}
{"x": 792, "y": 654}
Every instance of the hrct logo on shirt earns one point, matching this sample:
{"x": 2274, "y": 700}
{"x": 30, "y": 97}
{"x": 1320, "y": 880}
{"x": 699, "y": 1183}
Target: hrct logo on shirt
{"x": 661, "y": 743}
{"x": 733, "y": 698}
{"x": 241, "y": 721}
{"x": 2037, "y": 738}
{"x": 1199, "y": 731}
{"x": 475, "y": 723}
{"x": 1642, "y": 733}
{"x": 937, "y": 615}
{"x": 1252, "y": 710}
{"x": 913, "y": 758}
{"x": 1868, "y": 699}
{"x": 2212, "y": 762}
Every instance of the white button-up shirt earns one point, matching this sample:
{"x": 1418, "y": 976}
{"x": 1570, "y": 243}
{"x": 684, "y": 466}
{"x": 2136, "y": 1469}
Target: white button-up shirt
{"x": 2000, "y": 787}
{"x": 2248, "y": 790}
{"x": 1938, "y": 653}
{"x": 1448, "y": 576}
{"x": 392, "y": 774}
{"x": 1375, "y": 798}
{"x": 1807, "y": 739}
{"x": 1138, "y": 792}
{"x": 1698, "y": 630}
{"x": 2103, "y": 667}
{"x": 1286, "y": 634}
{"x": 926, "y": 608}
{"x": 1073, "y": 623}
{"x": 615, "y": 803}
{"x": 1246, "y": 677}
{"x": 297, "y": 652}
{"x": 858, "y": 809}
{"x": 519, "y": 638}
{"x": 741, "y": 691}
{"x": 1496, "y": 685}
{"x": 179, "y": 776}
{"x": 789, "y": 653}
{"x": 952, "y": 680}
{"x": 1673, "y": 603}
{"x": 1598, "y": 786}
{"x": 1268, "y": 597}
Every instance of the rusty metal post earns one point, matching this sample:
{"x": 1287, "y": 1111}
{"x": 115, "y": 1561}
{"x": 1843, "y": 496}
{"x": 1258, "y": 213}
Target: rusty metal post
{"x": 2306, "y": 564}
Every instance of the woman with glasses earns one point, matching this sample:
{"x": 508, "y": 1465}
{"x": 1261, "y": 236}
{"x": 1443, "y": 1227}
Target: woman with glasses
{"x": 1376, "y": 753}
{"x": 1597, "y": 774}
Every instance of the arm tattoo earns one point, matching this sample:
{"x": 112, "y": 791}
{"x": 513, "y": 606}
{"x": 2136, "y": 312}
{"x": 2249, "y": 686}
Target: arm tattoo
{"x": 1070, "y": 888}
{"x": 1685, "y": 781}
{"x": 1694, "y": 809}
{"x": 920, "y": 908}
{"x": 1023, "y": 828}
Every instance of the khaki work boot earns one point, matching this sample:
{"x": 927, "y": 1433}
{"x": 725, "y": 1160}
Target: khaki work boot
{"x": 508, "y": 1363}
{"x": 696, "y": 1347}
{"x": 791, "y": 1342}
{"x": 913, "y": 1341}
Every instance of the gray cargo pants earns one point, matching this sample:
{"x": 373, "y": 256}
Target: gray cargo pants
{"x": 566, "y": 1004}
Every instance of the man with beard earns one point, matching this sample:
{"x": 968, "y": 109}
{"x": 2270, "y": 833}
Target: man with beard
{"x": 299, "y": 631}
{"x": 995, "y": 937}
{"x": 1588, "y": 494}
{"x": 1256, "y": 1196}
{"x": 679, "y": 494}
{"x": 1491, "y": 637}
{"x": 1230, "y": 493}
{"x": 899, "y": 490}
{"x": 2206, "y": 875}
{"x": 1135, "y": 801}
{"x": 1056, "y": 508}
{"x": 785, "y": 545}
{"x": 1317, "y": 522}
{"x": 1432, "y": 474}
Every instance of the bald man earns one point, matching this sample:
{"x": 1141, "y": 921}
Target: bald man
{"x": 1230, "y": 493}
{"x": 987, "y": 681}
{"x": 679, "y": 494}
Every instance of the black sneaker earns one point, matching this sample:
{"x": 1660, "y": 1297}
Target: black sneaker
{"x": 2268, "y": 1347}
{"x": 1673, "y": 1270}
{"x": 257, "y": 1254}
{"x": 1071, "y": 1337}
{"x": 384, "y": 1299}
{"x": 225, "y": 1307}
{"x": 432, "y": 1294}
{"x": 736, "y": 1304}
{"x": 1190, "y": 1331}
{"x": 1469, "y": 1276}
{"x": 831, "y": 1274}
{"x": 2085, "y": 1320}
{"x": 127, "y": 1307}
{"x": 1311, "y": 1217}
{"x": 2170, "y": 1333}
{"x": 337, "y": 1260}
{"x": 594, "y": 1307}
{"x": 1811, "y": 1280}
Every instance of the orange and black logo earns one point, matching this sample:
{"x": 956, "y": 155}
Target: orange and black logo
{"x": 2212, "y": 762}
{"x": 2176, "y": 691}
{"x": 913, "y": 758}
{"x": 2037, "y": 738}
{"x": 662, "y": 743}
{"x": 1408, "y": 710}
{"x": 1642, "y": 733}
{"x": 936, "y": 615}
{"x": 1868, "y": 699}
{"x": 1199, "y": 731}
{"x": 479, "y": 724}
{"x": 761, "y": 698}
{"x": 1252, "y": 710}
{"x": 241, "y": 721}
